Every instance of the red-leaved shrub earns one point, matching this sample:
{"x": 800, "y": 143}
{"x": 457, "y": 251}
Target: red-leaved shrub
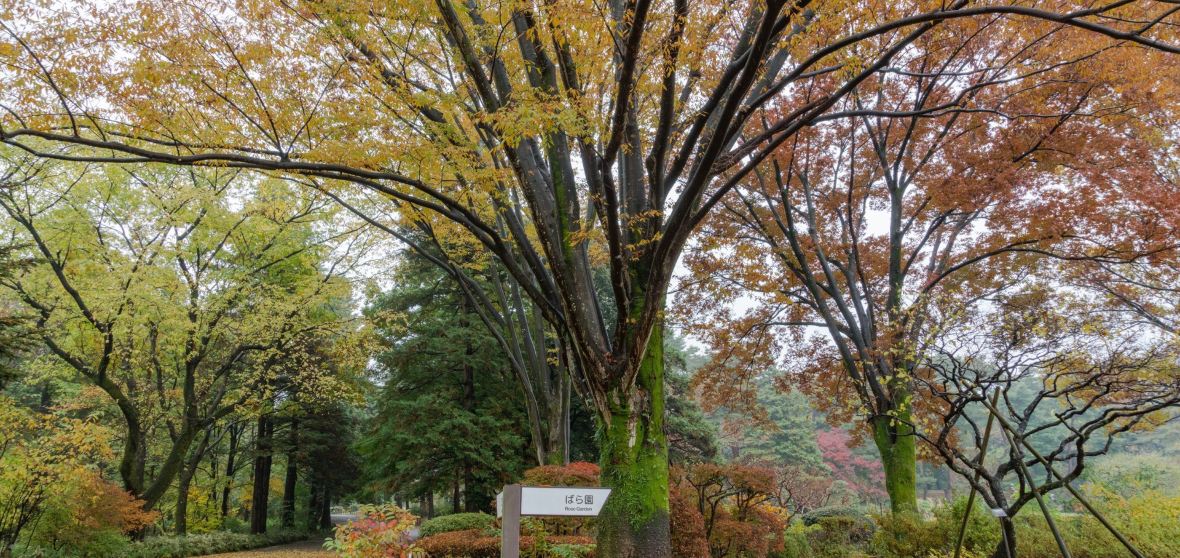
{"x": 578, "y": 473}
{"x": 475, "y": 544}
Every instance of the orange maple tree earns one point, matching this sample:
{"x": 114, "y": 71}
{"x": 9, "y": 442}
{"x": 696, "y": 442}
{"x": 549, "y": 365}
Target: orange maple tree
{"x": 948, "y": 177}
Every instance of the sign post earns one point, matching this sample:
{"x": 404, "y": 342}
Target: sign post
{"x": 516, "y": 501}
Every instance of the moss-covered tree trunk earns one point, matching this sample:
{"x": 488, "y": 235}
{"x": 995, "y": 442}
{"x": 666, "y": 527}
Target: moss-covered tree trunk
{"x": 634, "y": 521}
{"x": 897, "y": 445}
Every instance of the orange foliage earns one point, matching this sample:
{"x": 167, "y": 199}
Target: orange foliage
{"x": 475, "y": 544}
{"x": 729, "y": 510}
{"x": 92, "y": 504}
{"x": 578, "y": 473}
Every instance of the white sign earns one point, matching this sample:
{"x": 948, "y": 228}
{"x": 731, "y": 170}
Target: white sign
{"x": 563, "y": 500}
{"x": 999, "y": 512}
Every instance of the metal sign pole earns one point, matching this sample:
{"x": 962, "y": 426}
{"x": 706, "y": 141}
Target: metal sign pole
{"x": 510, "y": 524}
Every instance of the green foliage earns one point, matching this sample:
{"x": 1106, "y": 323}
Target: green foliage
{"x": 983, "y": 533}
{"x": 795, "y": 543}
{"x": 813, "y": 517}
{"x": 457, "y": 522}
{"x": 15, "y": 330}
{"x": 450, "y": 411}
{"x": 209, "y": 543}
{"x": 789, "y": 437}
{"x": 51, "y": 492}
{"x": 691, "y": 436}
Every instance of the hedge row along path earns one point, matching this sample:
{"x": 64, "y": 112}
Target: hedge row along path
{"x": 305, "y": 549}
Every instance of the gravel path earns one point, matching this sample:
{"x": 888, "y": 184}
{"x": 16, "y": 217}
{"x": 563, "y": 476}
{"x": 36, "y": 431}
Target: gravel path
{"x": 305, "y": 549}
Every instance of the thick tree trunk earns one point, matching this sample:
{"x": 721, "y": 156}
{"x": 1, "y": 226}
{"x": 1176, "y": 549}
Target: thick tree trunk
{"x": 292, "y": 478}
{"x": 634, "y": 521}
{"x": 180, "y": 516}
{"x": 262, "y": 464}
{"x": 1007, "y": 545}
{"x": 897, "y": 445}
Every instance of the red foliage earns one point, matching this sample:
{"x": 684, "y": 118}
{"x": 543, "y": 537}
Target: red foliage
{"x": 578, "y": 473}
{"x": 865, "y": 476}
{"x": 687, "y": 523}
{"x": 727, "y": 509}
{"x": 475, "y": 544}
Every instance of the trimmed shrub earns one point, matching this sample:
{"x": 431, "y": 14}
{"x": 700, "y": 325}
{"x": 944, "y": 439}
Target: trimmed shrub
{"x": 983, "y": 532}
{"x": 474, "y": 543}
{"x": 457, "y": 522}
{"x": 209, "y": 543}
{"x": 578, "y": 473}
{"x": 813, "y": 517}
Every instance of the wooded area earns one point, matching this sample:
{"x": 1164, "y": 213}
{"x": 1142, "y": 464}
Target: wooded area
{"x": 802, "y": 279}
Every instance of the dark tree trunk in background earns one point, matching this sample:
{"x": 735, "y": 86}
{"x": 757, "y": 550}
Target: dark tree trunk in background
{"x": 46, "y": 398}
{"x": 234, "y": 434}
{"x": 455, "y": 508}
{"x": 313, "y": 507}
{"x": 262, "y": 464}
{"x": 469, "y": 503}
{"x": 292, "y": 478}
{"x": 469, "y": 403}
{"x": 326, "y": 510}
{"x": 182, "y": 487}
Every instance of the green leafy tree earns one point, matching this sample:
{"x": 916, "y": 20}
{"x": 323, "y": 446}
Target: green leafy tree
{"x": 448, "y": 417}
{"x": 787, "y": 437}
{"x": 176, "y": 293}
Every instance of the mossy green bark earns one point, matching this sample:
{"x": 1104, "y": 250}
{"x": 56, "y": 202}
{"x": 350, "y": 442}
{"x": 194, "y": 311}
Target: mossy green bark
{"x": 899, "y": 455}
{"x": 634, "y": 521}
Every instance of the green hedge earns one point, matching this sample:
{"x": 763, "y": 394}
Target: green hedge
{"x": 209, "y": 543}
{"x": 457, "y": 522}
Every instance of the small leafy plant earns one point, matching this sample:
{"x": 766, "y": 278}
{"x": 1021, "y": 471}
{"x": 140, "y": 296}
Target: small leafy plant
{"x": 381, "y": 531}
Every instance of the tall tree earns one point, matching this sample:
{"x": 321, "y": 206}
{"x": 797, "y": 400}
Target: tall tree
{"x": 151, "y": 284}
{"x": 528, "y": 126}
{"x": 861, "y": 230}
{"x": 447, "y": 415}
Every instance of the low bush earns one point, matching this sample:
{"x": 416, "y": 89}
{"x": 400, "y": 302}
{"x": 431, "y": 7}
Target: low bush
{"x": 209, "y": 543}
{"x": 474, "y": 543}
{"x": 457, "y": 522}
{"x": 578, "y": 473}
{"x": 795, "y": 543}
{"x": 813, "y": 517}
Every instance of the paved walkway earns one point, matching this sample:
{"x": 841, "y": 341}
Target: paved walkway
{"x": 305, "y": 549}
